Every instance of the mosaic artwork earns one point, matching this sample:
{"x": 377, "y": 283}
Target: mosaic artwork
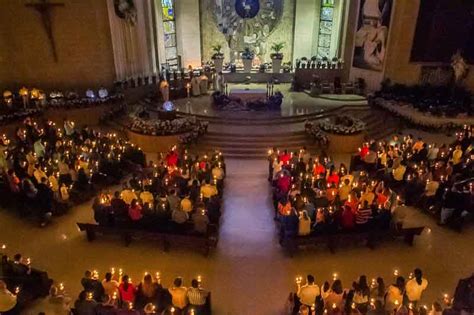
{"x": 247, "y": 23}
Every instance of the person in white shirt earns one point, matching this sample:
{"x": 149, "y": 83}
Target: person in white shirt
{"x": 308, "y": 292}
{"x": 415, "y": 287}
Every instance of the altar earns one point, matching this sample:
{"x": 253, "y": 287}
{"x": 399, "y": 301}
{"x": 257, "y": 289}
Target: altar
{"x": 249, "y": 95}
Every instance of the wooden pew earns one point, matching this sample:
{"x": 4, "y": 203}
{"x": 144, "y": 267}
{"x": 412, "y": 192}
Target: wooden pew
{"x": 332, "y": 240}
{"x": 206, "y": 242}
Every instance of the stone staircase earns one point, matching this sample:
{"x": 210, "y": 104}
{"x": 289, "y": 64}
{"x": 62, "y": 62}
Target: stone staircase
{"x": 252, "y": 138}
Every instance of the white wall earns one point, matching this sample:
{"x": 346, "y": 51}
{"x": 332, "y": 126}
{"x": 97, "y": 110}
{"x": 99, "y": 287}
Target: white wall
{"x": 188, "y": 32}
{"x": 306, "y": 18}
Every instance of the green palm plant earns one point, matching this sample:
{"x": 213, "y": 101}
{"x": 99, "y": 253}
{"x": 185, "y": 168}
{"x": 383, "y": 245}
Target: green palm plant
{"x": 277, "y": 47}
{"x": 217, "y": 51}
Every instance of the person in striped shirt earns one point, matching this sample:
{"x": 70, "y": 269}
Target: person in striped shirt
{"x": 197, "y": 297}
{"x": 363, "y": 214}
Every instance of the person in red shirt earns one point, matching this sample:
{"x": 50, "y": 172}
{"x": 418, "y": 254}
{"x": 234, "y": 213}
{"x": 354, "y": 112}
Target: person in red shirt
{"x": 333, "y": 178}
{"x": 347, "y": 218}
{"x": 172, "y": 158}
{"x": 285, "y": 157}
{"x": 284, "y": 183}
{"x": 127, "y": 290}
{"x": 135, "y": 211}
{"x": 318, "y": 169}
{"x": 363, "y": 151}
{"x": 352, "y": 202}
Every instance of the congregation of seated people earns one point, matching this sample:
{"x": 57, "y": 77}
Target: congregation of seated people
{"x": 20, "y": 283}
{"x": 437, "y": 178}
{"x": 45, "y": 168}
{"x": 311, "y": 195}
{"x": 402, "y": 296}
{"x": 117, "y": 294}
{"x": 180, "y": 193}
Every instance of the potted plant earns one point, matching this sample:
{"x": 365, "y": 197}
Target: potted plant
{"x": 314, "y": 62}
{"x": 218, "y": 57}
{"x": 277, "y": 56}
{"x": 247, "y": 58}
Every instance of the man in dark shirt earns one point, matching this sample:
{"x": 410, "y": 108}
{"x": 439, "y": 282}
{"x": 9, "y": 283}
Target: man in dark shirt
{"x": 119, "y": 208}
{"x": 45, "y": 201}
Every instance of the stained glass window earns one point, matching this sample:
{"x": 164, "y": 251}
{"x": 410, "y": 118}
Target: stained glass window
{"x": 169, "y": 29}
{"x": 168, "y": 10}
{"x": 325, "y": 28}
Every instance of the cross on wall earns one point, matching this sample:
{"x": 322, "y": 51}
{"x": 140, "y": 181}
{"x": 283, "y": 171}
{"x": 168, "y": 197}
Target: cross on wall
{"x": 45, "y": 8}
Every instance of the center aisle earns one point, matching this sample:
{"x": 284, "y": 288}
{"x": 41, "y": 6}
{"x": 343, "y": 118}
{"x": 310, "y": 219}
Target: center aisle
{"x": 248, "y": 250}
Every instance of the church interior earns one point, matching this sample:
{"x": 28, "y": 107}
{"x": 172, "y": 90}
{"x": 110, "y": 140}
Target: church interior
{"x": 237, "y": 157}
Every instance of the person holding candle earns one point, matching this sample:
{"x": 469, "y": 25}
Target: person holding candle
{"x": 178, "y": 294}
{"x": 415, "y": 287}
{"x": 92, "y": 285}
{"x": 308, "y": 292}
{"x": 335, "y": 297}
{"x": 395, "y": 294}
{"x": 197, "y": 297}
{"x": 127, "y": 291}
{"x": 110, "y": 285}
{"x": 84, "y": 305}
{"x": 148, "y": 291}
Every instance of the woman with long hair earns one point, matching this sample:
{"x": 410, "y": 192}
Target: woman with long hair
{"x": 147, "y": 291}
{"x": 335, "y": 297}
{"x": 362, "y": 294}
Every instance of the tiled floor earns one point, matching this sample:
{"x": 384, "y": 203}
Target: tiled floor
{"x": 248, "y": 273}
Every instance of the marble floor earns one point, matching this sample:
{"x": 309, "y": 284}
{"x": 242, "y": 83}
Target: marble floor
{"x": 294, "y": 103}
{"x": 248, "y": 273}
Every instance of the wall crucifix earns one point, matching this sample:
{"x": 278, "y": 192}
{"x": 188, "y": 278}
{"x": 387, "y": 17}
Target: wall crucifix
{"x": 44, "y": 8}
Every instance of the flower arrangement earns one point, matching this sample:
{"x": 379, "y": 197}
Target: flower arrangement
{"x": 248, "y": 54}
{"x": 138, "y": 122}
{"x": 427, "y": 120}
{"x": 343, "y": 125}
{"x": 316, "y": 133}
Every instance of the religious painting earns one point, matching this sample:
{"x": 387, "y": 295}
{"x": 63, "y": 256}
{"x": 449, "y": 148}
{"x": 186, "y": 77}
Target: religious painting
{"x": 247, "y": 24}
{"x": 372, "y": 34}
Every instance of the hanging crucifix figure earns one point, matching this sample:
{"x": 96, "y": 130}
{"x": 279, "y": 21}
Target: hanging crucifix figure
{"x": 44, "y": 8}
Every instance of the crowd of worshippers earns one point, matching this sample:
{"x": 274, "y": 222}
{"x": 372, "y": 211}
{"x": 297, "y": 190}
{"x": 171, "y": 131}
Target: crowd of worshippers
{"x": 436, "y": 178}
{"x": 31, "y": 292}
{"x": 20, "y": 283}
{"x": 402, "y": 297}
{"x": 311, "y": 195}
{"x": 116, "y": 293}
{"x": 178, "y": 190}
{"x": 45, "y": 168}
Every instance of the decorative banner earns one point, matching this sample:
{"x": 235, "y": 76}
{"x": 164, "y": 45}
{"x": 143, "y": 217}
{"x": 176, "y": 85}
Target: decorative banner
{"x": 372, "y": 33}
